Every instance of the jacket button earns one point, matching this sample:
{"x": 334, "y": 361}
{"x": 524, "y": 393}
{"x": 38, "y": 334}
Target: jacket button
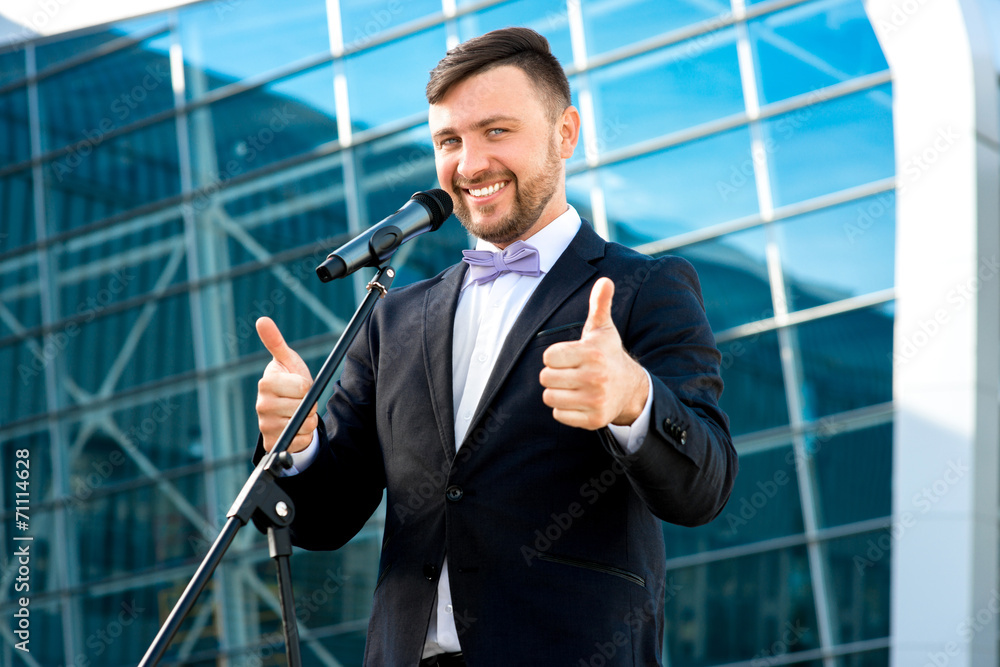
{"x": 430, "y": 571}
{"x": 454, "y": 493}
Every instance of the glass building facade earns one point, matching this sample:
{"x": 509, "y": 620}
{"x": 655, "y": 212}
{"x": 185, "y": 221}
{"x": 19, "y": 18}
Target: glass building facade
{"x": 166, "y": 180}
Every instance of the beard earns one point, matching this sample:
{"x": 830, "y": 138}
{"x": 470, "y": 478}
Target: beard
{"x": 530, "y": 199}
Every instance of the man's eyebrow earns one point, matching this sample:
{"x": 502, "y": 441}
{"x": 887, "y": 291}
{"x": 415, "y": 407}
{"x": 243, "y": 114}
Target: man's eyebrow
{"x": 443, "y": 132}
{"x": 478, "y": 125}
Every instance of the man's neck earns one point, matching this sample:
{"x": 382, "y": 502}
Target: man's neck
{"x": 543, "y": 221}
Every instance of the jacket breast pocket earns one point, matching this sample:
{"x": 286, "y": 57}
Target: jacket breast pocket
{"x": 558, "y": 334}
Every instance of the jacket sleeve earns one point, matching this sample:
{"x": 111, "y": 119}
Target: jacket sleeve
{"x": 340, "y": 490}
{"x": 685, "y": 468}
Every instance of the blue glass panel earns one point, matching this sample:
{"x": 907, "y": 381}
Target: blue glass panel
{"x": 105, "y": 273}
{"x": 764, "y": 505}
{"x": 614, "y": 23}
{"x": 734, "y": 279}
{"x": 335, "y": 589}
{"x": 754, "y": 394}
{"x": 97, "y": 358}
{"x": 84, "y": 103}
{"x": 19, "y": 295}
{"x": 547, "y": 17}
{"x": 365, "y": 20}
{"x": 393, "y": 168}
{"x": 17, "y": 210}
{"x": 675, "y": 191}
{"x": 12, "y": 65}
{"x": 578, "y": 189}
{"x": 838, "y": 252}
{"x": 247, "y": 384}
{"x": 846, "y": 362}
{"x": 749, "y": 603}
{"x": 332, "y": 597}
{"x": 874, "y": 658}
{"x": 93, "y": 182}
{"x": 859, "y": 586}
{"x": 55, "y": 52}
{"x": 135, "y": 528}
{"x": 14, "y": 132}
{"x": 813, "y": 45}
{"x": 102, "y": 615}
{"x": 831, "y": 146}
{"x": 390, "y": 170}
{"x": 225, "y": 42}
{"x": 849, "y": 492}
{"x": 240, "y": 134}
{"x": 667, "y": 90}
{"x": 23, "y": 394}
{"x": 264, "y": 293}
{"x": 302, "y": 211}
{"x": 387, "y": 83}
{"x": 164, "y": 430}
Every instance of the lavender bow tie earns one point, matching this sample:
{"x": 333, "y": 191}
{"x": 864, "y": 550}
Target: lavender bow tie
{"x": 486, "y": 266}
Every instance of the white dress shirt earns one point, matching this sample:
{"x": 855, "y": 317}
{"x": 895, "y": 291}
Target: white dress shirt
{"x": 485, "y": 315}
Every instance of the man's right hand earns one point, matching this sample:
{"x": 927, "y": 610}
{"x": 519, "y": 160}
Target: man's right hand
{"x": 285, "y": 382}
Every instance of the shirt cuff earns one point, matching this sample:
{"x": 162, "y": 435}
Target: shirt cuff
{"x": 302, "y": 460}
{"x": 630, "y": 438}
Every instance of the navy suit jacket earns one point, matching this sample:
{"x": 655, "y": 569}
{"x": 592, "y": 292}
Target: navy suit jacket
{"x": 553, "y": 534}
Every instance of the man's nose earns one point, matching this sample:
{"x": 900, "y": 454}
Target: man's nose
{"x": 473, "y": 161}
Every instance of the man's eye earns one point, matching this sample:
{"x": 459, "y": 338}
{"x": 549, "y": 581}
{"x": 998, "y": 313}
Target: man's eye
{"x": 450, "y": 141}
{"x": 496, "y": 131}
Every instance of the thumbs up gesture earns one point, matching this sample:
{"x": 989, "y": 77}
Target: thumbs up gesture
{"x": 285, "y": 382}
{"x": 593, "y": 382}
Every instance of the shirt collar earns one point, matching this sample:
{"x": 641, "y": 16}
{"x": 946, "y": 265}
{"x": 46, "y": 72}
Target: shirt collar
{"x": 551, "y": 240}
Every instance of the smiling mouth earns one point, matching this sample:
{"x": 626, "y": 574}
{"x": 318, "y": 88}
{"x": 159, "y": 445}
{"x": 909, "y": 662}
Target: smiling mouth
{"x": 488, "y": 190}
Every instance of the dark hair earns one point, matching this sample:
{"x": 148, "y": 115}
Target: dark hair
{"x": 520, "y": 47}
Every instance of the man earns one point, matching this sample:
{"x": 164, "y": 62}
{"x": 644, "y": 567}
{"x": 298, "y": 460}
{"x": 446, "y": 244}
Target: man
{"x": 519, "y": 530}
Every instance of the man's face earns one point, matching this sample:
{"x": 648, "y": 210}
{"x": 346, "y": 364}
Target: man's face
{"x": 499, "y": 154}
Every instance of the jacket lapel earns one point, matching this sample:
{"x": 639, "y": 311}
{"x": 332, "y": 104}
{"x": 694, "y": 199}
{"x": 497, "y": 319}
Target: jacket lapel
{"x": 440, "y": 304}
{"x": 570, "y": 271}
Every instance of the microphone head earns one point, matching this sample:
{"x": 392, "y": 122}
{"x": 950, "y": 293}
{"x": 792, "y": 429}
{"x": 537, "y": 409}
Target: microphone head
{"x": 438, "y": 202}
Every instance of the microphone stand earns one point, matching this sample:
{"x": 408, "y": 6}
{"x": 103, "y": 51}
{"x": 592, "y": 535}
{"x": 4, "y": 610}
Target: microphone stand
{"x": 261, "y": 497}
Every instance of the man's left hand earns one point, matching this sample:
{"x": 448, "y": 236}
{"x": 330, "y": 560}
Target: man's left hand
{"x": 593, "y": 382}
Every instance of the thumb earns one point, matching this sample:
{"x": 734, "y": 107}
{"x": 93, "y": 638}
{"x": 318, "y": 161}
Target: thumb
{"x": 276, "y": 345}
{"x": 599, "y": 316}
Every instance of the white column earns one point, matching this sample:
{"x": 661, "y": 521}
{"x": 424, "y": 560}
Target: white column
{"x": 946, "y": 372}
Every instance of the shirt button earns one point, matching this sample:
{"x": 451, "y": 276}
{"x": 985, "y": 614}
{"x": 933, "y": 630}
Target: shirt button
{"x": 483, "y": 358}
{"x": 449, "y": 609}
{"x": 468, "y": 416}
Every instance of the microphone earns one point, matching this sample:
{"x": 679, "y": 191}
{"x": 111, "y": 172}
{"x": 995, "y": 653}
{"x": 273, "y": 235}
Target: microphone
{"x": 424, "y": 212}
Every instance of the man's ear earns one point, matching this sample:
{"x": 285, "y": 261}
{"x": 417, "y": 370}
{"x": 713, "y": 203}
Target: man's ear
{"x": 569, "y": 132}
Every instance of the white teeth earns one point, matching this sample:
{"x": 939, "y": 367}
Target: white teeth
{"x": 485, "y": 192}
